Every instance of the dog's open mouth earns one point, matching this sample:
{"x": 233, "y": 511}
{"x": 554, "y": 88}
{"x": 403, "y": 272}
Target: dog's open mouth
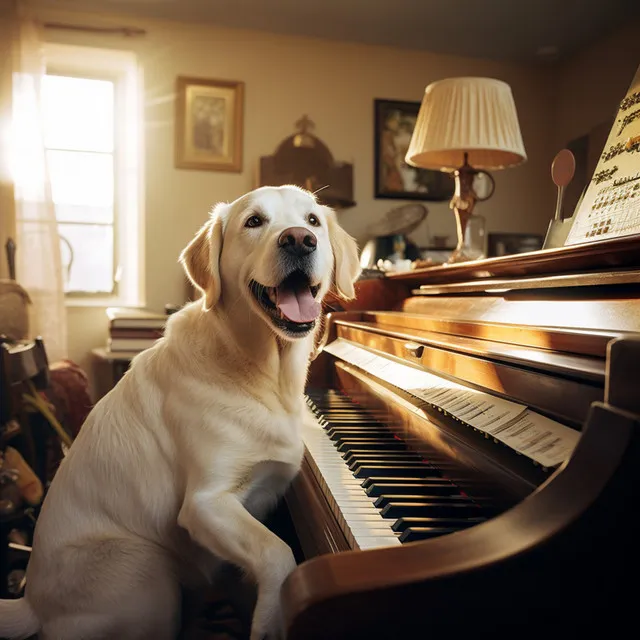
{"x": 292, "y": 305}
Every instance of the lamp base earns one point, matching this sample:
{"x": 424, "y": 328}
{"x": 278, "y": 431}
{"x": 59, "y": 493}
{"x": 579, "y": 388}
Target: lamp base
{"x": 462, "y": 203}
{"x": 471, "y": 238}
{"x": 459, "y": 256}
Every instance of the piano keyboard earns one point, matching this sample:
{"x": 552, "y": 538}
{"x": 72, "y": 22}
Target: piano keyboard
{"x": 381, "y": 492}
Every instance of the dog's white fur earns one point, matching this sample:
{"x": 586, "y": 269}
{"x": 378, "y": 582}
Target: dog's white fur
{"x": 174, "y": 468}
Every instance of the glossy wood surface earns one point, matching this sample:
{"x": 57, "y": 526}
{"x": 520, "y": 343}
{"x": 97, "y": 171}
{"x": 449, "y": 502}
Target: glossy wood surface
{"x": 606, "y": 255}
{"x": 578, "y": 366}
{"x": 570, "y": 351}
{"x": 373, "y": 293}
{"x": 452, "y": 318}
{"x": 544, "y": 548}
{"x": 630, "y": 278}
{"x": 612, "y": 313}
{"x": 574, "y": 536}
{"x": 561, "y": 398}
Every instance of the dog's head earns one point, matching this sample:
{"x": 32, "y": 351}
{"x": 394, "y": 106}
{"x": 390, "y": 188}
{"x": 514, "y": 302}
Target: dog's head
{"x": 277, "y": 249}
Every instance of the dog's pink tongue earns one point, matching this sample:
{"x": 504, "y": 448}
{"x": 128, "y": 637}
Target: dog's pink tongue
{"x": 297, "y": 304}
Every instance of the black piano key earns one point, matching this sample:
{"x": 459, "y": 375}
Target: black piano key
{"x": 430, "y": 510}
{"x": 414, "y": 534}
{"x": 363, "y": 427}
{"x": 350, "y": 427}
{"x": 374, "y": 437}
{"x": 407, "y": 486}
{"x": 383, "y": 459}
{"x": 435, "y": 487}
{"x": 370, "y": 454}
{"x": 418, "y": 469}
{"x": 384, "y": 499}
{"x": 407, "y": 478}
{"x": 351, "y": 457}
{"x": 370, "y": 435}
{"x": 347, "y": 412}
{"x": 344, "y": 445}
{"x": 402, "y": 524}
{"x": 353, "y": 408}
{"x": 365, "y": 435}
{"x": 380, "y": 455}
{"x": 353, "y": 426}
{"x": 351, "y": 419}
{"x": 357, "y": 431}
{"x": 371, "y": 445}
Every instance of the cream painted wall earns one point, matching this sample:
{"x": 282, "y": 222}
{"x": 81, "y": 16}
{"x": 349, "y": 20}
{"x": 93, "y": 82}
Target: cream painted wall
{"x": 335, "y": 83}
{"x": 591, "y": 84}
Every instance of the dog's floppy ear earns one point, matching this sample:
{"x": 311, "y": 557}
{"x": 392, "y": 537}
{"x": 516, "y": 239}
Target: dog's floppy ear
{"x": 201, "y": 260}
{"x": 345, "y": 252}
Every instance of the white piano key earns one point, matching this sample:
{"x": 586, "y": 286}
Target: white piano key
{"x": 375, "y": 542}
{"x": 361, "y": 521}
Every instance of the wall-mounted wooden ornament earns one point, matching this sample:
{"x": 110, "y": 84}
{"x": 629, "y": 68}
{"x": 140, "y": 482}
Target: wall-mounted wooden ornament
{"x": 304, "y": 160}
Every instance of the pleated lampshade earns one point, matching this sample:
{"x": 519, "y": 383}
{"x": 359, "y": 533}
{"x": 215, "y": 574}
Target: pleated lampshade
{"x": 476, "y": 116}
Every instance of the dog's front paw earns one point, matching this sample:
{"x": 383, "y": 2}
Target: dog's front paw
{"x": 267, "y": 620}
{"x": 267, "y": 623}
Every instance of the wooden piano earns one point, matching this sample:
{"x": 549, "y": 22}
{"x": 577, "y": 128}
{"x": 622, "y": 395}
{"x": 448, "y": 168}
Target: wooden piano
{"x": 475, "y": 467}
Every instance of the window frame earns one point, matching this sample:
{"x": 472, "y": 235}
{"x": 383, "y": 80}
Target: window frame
{"x": 121, "y": 68}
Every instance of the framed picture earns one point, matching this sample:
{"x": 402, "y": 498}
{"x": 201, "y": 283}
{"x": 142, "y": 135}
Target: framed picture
{"x": 394, "y": 124}
{"x": 504, "y": 244}
{"x": 209, "y": 124}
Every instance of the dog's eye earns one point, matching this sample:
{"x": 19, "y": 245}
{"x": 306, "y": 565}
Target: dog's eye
{"x": 313, "y": 220}
{"x": 253, "y": 221}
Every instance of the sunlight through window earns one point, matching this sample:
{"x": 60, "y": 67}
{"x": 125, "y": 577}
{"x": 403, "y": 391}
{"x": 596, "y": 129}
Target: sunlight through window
{"x": 79, "y": 137}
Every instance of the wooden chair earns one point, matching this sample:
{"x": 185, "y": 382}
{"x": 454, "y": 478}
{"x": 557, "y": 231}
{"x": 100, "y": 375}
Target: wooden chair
{"x": 21, "y": 363}
{"x": 23, "y": 367}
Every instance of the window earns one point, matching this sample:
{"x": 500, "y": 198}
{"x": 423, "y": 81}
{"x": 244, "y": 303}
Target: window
{"x": 91, "y": 121}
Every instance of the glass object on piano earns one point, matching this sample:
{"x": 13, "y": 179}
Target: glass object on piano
{"x": 467, "y": 124}
{"x": 475, "y": 245}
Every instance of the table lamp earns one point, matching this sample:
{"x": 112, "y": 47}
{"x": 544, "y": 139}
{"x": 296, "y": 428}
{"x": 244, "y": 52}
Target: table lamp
{"x": 466, "y": 126}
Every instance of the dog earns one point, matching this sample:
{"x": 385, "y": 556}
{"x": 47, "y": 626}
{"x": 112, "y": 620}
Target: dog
{"x": 177, "y": 465}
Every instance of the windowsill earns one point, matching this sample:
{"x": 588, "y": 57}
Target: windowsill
{"x": 100, "y": 301}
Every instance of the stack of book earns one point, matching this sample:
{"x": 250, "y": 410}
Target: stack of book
{"x": 133, "y": 330}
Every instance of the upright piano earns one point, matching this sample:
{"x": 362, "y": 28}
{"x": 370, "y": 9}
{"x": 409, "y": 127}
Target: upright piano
{"x": 473, "y": 467}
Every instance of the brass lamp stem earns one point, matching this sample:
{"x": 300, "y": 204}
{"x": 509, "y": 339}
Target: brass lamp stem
{"x": 462, "y": 203}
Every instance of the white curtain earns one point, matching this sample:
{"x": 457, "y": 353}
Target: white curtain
{"x": 38, "y": 260}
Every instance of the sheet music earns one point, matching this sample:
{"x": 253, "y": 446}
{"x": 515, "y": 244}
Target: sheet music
{"x": 541, "y": 439}
{"x": 611, "y": 204}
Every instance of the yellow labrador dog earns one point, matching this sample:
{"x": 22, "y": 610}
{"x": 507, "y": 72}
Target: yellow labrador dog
{"x": 175, "y": 467}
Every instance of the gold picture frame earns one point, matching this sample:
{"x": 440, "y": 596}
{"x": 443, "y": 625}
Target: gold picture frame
{"x": 209, "y": 124}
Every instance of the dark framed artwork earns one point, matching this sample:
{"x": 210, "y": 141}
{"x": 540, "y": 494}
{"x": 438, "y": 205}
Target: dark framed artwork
{"x": 505, "y": 244}
{"x": 394, "y": 122}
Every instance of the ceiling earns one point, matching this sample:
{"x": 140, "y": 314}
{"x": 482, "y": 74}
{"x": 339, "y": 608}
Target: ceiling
{"x": 515, "y": 30}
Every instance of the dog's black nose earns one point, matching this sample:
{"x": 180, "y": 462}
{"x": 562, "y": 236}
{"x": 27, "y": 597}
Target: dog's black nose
{"x": 297, "y": 241}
